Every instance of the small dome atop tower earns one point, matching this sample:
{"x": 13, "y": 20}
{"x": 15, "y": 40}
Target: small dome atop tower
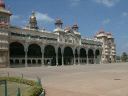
{"x": 58, "y": 23}
{"x": 33, "y": 17}
{"x": 67, "y": 29}
{"x": 4, "y": 15}
{"x": 32, "y": 22}
{"x": 75, "y": 27}
{"x": 2, "y": 4}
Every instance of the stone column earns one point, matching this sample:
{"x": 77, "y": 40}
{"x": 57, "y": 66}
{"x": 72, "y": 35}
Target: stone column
{"x": 26, "y": 55}
{"x": 62, "y": 52}
{"x": 42, "y": 51}
{"x": 74, "y": 56}
{"x": 100, "y": 57}
{"x": 56, "y": 55}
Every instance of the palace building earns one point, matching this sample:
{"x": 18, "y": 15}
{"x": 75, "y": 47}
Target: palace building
{"x": 31, "y": 46}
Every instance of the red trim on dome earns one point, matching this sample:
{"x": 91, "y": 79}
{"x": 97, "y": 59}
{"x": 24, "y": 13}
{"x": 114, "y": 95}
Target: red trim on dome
{"x": 2, "y": 4}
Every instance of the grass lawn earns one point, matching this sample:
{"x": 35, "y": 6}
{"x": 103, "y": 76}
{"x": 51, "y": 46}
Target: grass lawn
{"x": 12, "y": 89}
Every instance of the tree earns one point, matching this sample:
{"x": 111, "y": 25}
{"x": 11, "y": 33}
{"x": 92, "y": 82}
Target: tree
{"x": 124, "y": 57}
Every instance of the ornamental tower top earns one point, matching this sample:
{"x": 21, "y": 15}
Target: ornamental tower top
{"x": 4, "y": 15}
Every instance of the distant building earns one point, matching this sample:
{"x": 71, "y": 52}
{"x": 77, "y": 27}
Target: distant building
{"x": 31, "y": 46}
{"x": 108, "y": 46}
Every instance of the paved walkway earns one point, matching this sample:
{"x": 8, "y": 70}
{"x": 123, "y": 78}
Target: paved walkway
{"x": 79, "y": 80}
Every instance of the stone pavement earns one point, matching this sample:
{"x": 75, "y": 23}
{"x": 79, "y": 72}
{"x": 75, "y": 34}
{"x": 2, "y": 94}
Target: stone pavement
{"x": 78, "y": 80}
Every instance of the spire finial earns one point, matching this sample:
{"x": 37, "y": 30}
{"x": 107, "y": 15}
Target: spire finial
{"x": 101, "y": 29}
{"x": 33, "y": 13}
{"x": 75, "y": 26}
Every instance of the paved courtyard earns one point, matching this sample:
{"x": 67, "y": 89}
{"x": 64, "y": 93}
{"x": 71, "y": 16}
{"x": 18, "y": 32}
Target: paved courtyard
{"x": 78, "y": 80}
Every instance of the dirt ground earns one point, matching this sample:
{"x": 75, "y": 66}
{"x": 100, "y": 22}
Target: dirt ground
{"x": 78, "y": 80}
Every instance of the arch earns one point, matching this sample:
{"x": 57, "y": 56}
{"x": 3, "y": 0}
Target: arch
{"x": 68, "y": 56}
{"x": 97, "y": 52}
{"x": 17, "y": 61}
{"x": 97, "y": 56}
{"x": 34, "y": 51}
{"x": 33, "y": 61}
{"x": 29, "y": 61}
{"x": 90, "y": 56}
{"x": 39, "y": 61}
{"x": 83, "y": 55}
{"x": 16, "y": 52}
{"x": 50, "y": 55}
{"x": 16, "y": 49}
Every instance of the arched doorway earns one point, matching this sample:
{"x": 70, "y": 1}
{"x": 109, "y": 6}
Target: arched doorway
{"x": 83, "y": 56}
{"x": 90, "y": 56}
{"x": 50, "y": 55}
{"x": 97, "y": 56}
{"x": 68, "y": 56}
{"x": 34, "y": 53}
{"x": 17, "y": 53}
{"x": 76, "y": 56}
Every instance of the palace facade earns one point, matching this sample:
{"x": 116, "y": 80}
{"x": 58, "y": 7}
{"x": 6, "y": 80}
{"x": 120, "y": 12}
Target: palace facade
{"x": 31, "y": 46}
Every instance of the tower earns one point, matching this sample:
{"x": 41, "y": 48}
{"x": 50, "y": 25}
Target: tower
{"x": 4, "y": 15}
{"x": 32, "y": 22}
{"x": 58, "y": 23}
{"x": 75, "y": 27}
{"x": 108, "y": 46}
{"x": 4, "y": 41}
{"x": 58, "y": 26}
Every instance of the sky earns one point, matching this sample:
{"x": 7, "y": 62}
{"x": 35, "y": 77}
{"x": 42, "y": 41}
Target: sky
{"x": 90, "y": 15}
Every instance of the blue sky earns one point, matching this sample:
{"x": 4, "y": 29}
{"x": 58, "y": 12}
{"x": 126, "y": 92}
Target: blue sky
{"x": 91, "y": 16}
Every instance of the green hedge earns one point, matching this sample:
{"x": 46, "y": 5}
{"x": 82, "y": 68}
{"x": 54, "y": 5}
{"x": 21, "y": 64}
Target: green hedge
{"x": 35, "y": 90}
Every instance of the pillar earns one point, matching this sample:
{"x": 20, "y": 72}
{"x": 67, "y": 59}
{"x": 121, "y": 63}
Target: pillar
{"x": 62, "y": 52}
{"x": 42, "y": 51}
{"x": 87, "y": 60}
{"x": 56, "y": 55}
{"x": 26, "y": 55}
{"x": 74, "y": 56}
{"x": 100, "y": 56}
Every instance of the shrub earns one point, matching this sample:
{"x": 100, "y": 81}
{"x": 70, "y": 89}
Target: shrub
{"x": 35, "y": 90}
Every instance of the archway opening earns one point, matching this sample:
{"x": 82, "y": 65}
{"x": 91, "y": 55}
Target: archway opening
{"x": 83, "y": 56}
{"x": 76, "y": 55}
{"x": 90, "y": 56}
{"x": 16, "y": 50}
{"x": 97, "y": 56}
{"x": 50, "y": 55}
{"x": 34, "y": 52}
{"x": 68, "y": 56}
{"x": 17, "y": 53}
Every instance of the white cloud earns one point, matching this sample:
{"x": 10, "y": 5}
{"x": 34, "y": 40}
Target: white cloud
{"x": 44, "y": 18}
{"x": 125, "y": 14}
{"x": 14, "y": 17}
{"x": 106, "y": 21}
{"x": 108, "y": 3}
{"x": 74, "y": 2}
{"x": 18, "y": 20}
